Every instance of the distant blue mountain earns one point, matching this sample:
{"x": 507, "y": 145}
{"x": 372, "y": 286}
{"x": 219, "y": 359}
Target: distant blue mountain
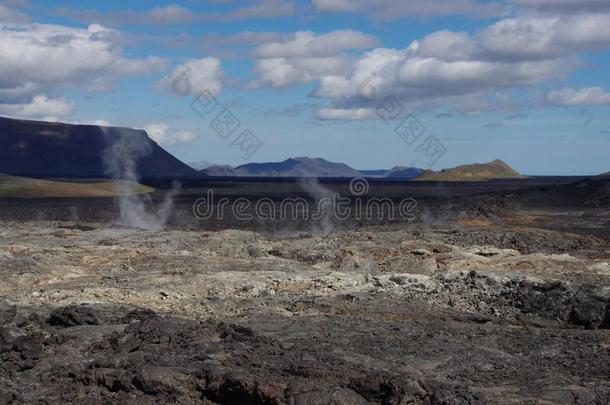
{"x": 308, "y": 167}
{"x": 397, "y": 172}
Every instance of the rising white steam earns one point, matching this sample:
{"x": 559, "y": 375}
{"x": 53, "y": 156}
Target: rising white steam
{"x": 125, "y": 149}
{"x": 324, "y": 199}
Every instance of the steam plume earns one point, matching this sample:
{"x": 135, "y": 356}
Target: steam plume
{"x": 120, "y": 160}
{"x": 324, "y": 212}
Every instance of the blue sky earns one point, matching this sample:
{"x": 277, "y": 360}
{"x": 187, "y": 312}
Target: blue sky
{"x": 525, "y": 81}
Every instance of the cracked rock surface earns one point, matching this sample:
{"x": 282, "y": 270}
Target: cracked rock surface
{"x": 103, "y": 314}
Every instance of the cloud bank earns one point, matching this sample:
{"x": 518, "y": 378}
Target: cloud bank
{"x": 38, "y": 58}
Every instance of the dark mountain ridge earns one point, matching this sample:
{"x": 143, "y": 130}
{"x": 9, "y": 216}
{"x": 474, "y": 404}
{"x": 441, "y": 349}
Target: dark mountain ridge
{"x": 308, "y": 167}
{"x": 397, "y": 172}
{"x": 58, "y": 150}
{"x": 297, "y": 167}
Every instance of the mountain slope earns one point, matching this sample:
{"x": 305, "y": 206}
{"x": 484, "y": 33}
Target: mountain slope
{"x": 400, "y": 172}
{"x": 374, "y": 172}
{"x": 24, "y": 187}
{"x": 397, "y": 172}
{"x": 220, "y": 170}
{"x": 473, "y": 172}
{"x": 48, "y": 149}
{"x": 307, "y": 167}
{"x": 200, "y": 165}
{"x": 298, "y": 167}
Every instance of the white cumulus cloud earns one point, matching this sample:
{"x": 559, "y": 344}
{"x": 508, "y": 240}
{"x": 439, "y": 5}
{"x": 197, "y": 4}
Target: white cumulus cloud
{"x": 39, "y": 106}
{"x": 38, "y": 58}
{"x": 571, "y": 97}
{"x": 194, "y": 77}
{"x": 166, "y": 136}
{"x": 308, "y": 44}
{"x": 447, "y": 67}
{"x": 305, "y": 56}
{"x": 46, "y": 54}
{"x": 170, "y": 14}
{"x": 530, "y": 38}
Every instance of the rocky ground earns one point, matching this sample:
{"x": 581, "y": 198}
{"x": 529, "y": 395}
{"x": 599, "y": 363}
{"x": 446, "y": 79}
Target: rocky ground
{"x": 478, "y": 309}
